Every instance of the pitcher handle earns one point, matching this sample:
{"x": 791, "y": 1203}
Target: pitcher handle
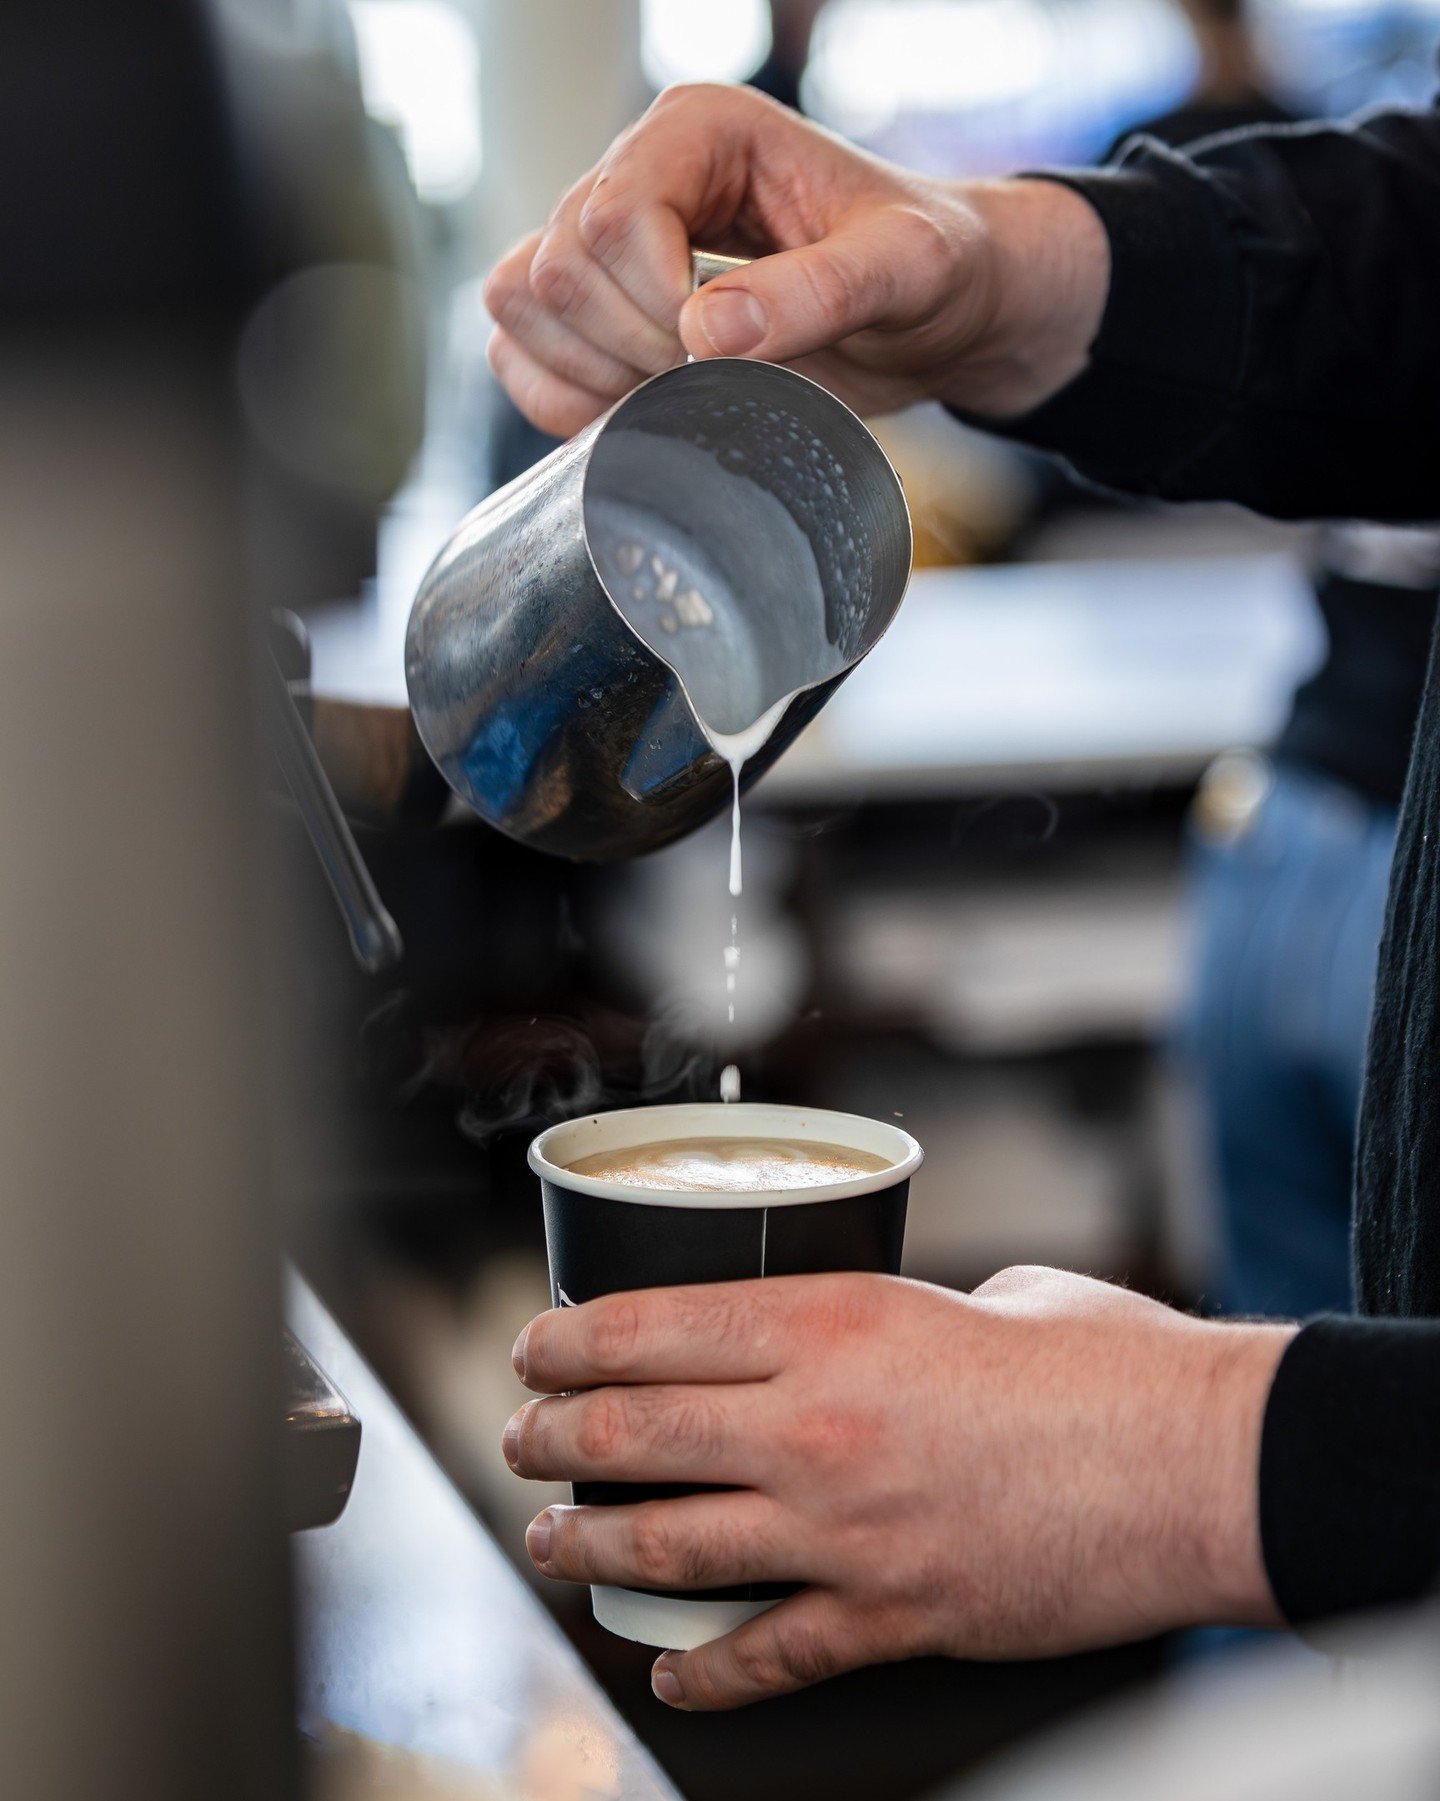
{"x": 705, "y": 265}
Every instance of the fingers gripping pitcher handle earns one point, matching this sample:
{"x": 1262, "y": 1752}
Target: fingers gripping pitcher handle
{"x": 705, "y": 265}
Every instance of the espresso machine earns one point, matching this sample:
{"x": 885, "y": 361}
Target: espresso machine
{"x": 169, "y": 169}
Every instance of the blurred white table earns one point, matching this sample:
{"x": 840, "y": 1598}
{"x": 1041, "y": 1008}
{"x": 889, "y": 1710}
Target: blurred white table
{"x": 1062, "y": 675}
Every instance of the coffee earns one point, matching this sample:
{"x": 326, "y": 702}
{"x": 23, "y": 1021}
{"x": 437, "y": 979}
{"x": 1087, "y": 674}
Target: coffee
{"x": 730, "y": 1165}
{"x": 702, "y": 1192}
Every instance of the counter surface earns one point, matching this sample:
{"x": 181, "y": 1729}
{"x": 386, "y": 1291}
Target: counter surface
{"x": 426, "y": 1666}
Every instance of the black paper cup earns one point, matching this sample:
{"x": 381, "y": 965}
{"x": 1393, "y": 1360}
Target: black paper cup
{"x": 605, "y": 1237}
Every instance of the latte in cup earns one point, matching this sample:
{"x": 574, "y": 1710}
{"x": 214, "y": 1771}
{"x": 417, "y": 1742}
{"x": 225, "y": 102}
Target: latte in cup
{"x": 702, "y": 1191}
{"x": 730, "y": 1165}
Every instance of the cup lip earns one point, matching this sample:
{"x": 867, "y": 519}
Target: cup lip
{"x": 757, "y": 1118}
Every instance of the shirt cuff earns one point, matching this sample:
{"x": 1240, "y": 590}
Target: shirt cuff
{"x": 1164, "y": 366}
{"x": 1350, "y": 1467}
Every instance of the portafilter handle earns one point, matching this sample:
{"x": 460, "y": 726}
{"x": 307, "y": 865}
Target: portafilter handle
{"x": 374, "y": 935}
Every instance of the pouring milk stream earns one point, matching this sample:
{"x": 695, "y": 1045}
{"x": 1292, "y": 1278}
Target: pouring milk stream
{"x": 708, "y": 634}
{"x": 681, "y": 603}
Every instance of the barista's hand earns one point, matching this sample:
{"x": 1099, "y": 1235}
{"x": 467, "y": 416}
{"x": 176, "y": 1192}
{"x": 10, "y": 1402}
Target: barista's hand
{"x": 1047, "y": 1464}
{"x": 886, "y": 286}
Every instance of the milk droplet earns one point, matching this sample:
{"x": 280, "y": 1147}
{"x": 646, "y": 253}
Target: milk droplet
{"x": 730, "y": 1083}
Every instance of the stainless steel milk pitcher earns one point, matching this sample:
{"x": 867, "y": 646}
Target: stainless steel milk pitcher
{"x": 728, "y": 535}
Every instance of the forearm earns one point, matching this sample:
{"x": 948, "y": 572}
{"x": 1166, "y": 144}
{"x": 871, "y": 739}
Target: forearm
{"x": 1177, "y": 1520}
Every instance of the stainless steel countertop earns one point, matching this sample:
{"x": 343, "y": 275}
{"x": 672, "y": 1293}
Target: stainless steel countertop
{"x": 425, "y": 1666}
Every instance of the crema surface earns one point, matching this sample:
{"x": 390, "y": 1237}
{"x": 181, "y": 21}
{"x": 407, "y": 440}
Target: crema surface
{"x": 730, "y": 1165}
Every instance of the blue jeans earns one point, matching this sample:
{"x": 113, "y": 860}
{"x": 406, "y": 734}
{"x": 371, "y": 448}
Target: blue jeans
{"x": 1288, "y": 919}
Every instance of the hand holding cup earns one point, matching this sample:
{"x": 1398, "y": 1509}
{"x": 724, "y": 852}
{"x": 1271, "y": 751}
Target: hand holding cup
{"x": 1048, "y": 1464}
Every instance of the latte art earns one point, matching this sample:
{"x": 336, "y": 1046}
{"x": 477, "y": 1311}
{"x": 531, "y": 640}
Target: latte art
{"x": 731, "y": 1165}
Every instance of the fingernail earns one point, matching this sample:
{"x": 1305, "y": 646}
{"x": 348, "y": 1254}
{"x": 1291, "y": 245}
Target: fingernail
{"x": 666, "y": 1684}
{"x": 537, "y": 1537}
{"x": 517, "y": 1356}
{"x": 510, "y": 1441}
{"x": 733, "y": 320}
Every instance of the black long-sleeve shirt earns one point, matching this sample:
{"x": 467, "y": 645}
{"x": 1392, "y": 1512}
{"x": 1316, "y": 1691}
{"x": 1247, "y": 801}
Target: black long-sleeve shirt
{"x": 1272, "y": 336}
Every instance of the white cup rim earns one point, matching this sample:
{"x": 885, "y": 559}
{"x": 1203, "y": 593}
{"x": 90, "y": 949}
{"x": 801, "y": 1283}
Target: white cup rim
{"x": 628, "y": 1126}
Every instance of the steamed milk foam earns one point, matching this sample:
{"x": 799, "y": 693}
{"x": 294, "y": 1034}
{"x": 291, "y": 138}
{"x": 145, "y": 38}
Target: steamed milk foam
{"x": 741, "y": 661}
{"x": 730, "y": 1165}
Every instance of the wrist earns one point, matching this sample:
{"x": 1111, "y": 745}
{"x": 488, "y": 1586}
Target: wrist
{"x": 1046, "y": 260}
{"x": 1224, "y": 1568}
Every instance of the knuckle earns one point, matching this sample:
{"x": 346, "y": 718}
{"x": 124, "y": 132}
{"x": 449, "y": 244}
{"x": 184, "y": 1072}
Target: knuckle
{"x": 690, "y": 1427}
{"x": 928, "y": 242}
{"x": 835, "y": 1437}
{"x": 758, "y": 1664}
{"x": 528, "y": 1436}
{"x": 706, "y": 1557}
{"x": 602, "y": 1429}
{"x": 523, "y": 383}
{"x": 890, "y": 1627}
{"x": 714, "y": 1313}
{"x": 682, "y": 95}
{"x": 571, "y": 1549}
{"x": 677, "y": 96}
{"x": 502, "y": 292}
{"x": 605, "y": 219}
{"x": 615, "y": 1335}
{"x": 846, "y": 1305}
{"x": 1017, "y": 1279}
{"x": 536, "y": 1350}
{"x": 500, "y": 351}
{"x": 703, "y": 1681}
{"x": 826, "y": 285}
{"x": 801, "y": 1656}
{"x": 568, "y": 364}
{"x": 691, "y": 1556}
{"x": 556, "y": 278}
{"x": 652, "y": 1551}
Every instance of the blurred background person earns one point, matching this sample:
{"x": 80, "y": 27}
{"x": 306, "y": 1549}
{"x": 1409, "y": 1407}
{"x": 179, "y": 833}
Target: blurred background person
{"x": 1232, "y": 86}
{"x": 1291, "y": 851}
{"x": 1291, "y": 860}
{"x": 792, "y": 30}
{"x": 1290, "y": 846}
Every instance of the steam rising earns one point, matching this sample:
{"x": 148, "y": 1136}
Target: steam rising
{"x": 527, "y": 1074}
